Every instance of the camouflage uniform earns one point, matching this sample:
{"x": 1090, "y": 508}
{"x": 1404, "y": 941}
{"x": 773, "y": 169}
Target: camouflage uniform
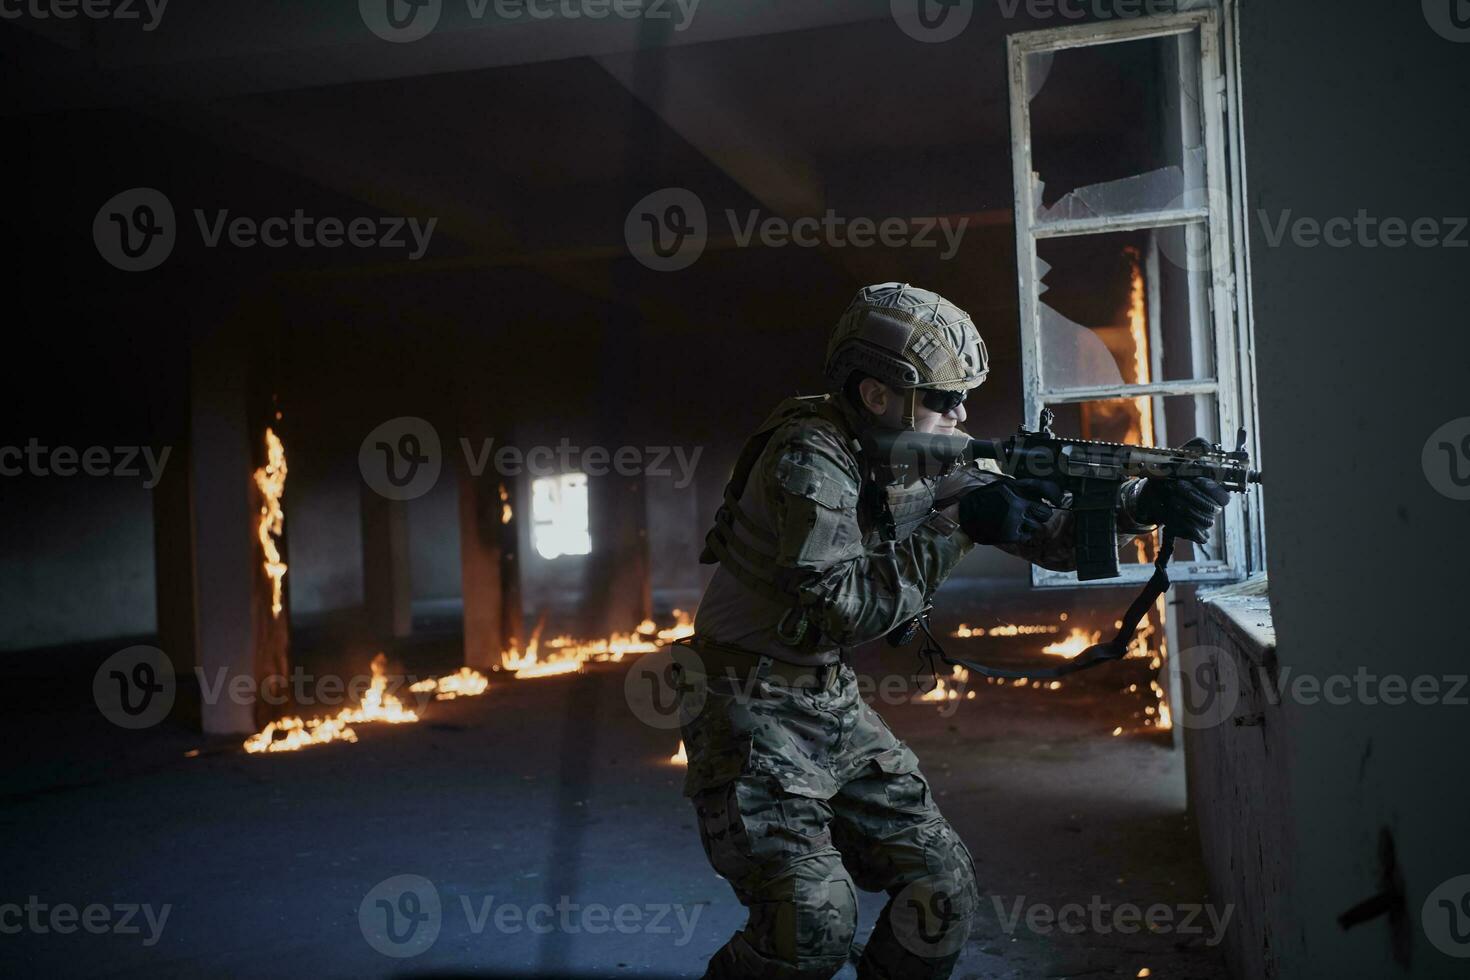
{"x": 802, "y": 792}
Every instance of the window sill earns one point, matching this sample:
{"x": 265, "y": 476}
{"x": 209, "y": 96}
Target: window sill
{"x": 1242, "y": 612}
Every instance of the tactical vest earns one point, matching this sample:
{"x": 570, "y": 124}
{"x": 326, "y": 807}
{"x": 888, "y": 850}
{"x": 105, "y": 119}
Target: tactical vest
{"x": 886, "y": 512}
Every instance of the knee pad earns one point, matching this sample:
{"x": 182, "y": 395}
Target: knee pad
{"x": 928, "y": 918}
{"x": 802, "y": 927}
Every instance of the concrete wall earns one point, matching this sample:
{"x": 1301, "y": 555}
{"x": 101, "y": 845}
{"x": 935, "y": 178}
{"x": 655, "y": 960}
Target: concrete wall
{"x": 79, "y": 565}
{"x": 1362, "y": 354}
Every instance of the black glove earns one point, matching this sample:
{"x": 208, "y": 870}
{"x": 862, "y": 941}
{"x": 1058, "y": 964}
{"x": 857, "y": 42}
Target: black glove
{"x": 1184, "y": 505}
{"x": 1008, "y": 511}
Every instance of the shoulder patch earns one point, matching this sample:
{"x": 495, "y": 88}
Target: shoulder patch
{"x": 799, "y": 473}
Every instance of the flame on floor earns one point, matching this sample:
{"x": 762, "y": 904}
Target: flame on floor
{"x": 943, "y": 692}
{"x": 290, "y": 734}
{"x": 565, "y": 655}
{"x": 466, "y": 683}
{"x": 680, "y": 758}
{"x": 1008, "y": 629}
{"x": 1077, "y": 641}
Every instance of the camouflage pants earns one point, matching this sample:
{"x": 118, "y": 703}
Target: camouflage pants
{"x": 802, "y": 796}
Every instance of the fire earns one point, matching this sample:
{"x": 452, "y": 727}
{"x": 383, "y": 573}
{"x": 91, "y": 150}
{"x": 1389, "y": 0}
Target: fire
{"x": 466, "y": 683}
{"x": 1077, "y": 641}
{"x": 567, "y": 655}
{"x": 505, "y": 512}
{"x": 271, "y": 481}
{"x": 943, "y": 692}
{"x": 1009, "y": 629}
{"x": 377, "y": 705}
{"x": 680, "y": 758}
{"x": 1142, "y": 371}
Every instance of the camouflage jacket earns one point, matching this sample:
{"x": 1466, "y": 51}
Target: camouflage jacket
{"x": 815, "y": 556}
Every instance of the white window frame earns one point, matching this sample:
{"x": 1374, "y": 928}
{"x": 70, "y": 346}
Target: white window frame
{"x": 1223, "y": 216}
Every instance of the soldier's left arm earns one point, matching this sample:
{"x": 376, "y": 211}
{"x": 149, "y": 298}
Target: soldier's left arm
{"x": 852, "y": 593}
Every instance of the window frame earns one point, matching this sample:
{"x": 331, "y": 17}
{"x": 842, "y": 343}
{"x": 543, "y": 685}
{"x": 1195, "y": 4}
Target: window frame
{"x": 1230, "y": 324}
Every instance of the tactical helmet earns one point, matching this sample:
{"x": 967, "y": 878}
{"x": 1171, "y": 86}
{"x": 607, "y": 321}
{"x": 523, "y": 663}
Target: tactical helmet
{"x": 906, "y": 337}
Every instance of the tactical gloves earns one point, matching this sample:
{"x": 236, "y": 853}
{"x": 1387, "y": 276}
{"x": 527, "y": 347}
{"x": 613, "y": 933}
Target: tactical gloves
{"x": 1008, "y": 511}
{"x": 1184, "y": 505}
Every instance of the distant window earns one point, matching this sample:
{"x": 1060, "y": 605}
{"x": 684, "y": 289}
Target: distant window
{"x": 559, "y": 516}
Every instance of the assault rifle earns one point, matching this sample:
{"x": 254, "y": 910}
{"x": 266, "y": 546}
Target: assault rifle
{"x": 1091, "y": 474}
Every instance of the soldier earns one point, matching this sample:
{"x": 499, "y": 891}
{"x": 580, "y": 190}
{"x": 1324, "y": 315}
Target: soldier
{"x": 802, "y": 792}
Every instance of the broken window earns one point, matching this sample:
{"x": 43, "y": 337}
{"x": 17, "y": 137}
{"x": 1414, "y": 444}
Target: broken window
{"x": 559, "y": 516}
{"x": 1128, "y": 191}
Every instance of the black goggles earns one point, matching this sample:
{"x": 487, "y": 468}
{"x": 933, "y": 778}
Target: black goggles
{"x": 939, "y": 401}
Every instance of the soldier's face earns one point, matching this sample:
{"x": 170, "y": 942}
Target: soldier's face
{"x": 889, "y": 404}
{"x": 926, "y": 420}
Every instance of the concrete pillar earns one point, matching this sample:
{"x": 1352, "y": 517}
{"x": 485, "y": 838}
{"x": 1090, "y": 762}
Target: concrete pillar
{"x": 387, "y": 596}
{"x": 479, "y": 569}
{"x": 215, "y": 600}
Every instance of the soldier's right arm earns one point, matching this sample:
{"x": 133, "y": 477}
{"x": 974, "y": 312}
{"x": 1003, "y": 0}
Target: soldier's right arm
{"x": 851, "y": 593}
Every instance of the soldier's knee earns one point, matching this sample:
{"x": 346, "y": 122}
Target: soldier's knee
{"x": 948, "y": 859}
{"x": 801, "y": 927}
{"x": 814, "y": 919}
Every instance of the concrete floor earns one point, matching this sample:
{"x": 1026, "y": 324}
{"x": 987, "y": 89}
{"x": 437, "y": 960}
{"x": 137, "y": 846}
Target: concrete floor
{"x": 551, "y": 791}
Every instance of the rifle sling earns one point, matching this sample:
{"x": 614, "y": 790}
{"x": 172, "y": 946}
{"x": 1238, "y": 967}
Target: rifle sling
{"x": 1098, "y": 653}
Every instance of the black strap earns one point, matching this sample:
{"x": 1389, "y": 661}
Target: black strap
{"x": 1098, "y": 653}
